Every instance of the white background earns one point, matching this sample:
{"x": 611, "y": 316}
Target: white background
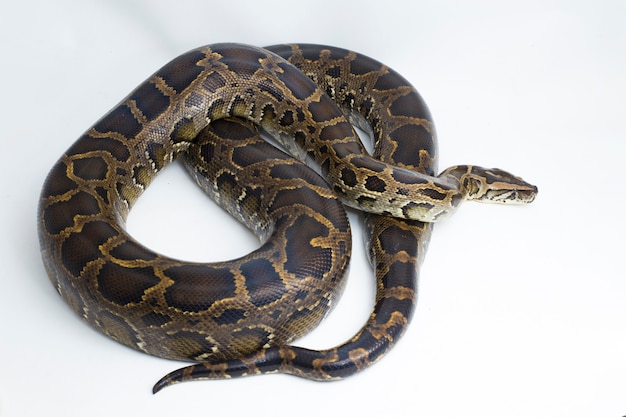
{"x": 522, "y": 310}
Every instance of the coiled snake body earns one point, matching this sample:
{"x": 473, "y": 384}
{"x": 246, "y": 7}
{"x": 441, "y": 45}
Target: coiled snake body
{"x": 238, "y": 317}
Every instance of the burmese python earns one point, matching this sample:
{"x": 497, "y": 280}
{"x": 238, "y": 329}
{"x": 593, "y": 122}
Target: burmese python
{"x": 237, "y": 317}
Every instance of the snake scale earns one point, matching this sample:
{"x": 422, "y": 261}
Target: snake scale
{"x": 238, "y": 317}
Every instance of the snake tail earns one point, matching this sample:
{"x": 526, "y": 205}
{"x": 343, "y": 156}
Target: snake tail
{"x": 396, "y": 299}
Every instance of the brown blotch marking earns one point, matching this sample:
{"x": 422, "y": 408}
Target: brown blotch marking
{"x": 410, "y": 105}
{"x": 339, "y": 130}
{"x": 150, "y": 100}
{"x": 187, "y": 345}
{"x": 365, "y": 201}
{"x": 142, "y": 176}
{"x": 318, "y": 261}
{"x": 87, "y": 143}
{"x": 216, "y": 109}
{"x": 120, "y": 120}
{"x": 213, "y": 82}
{"x": 374, "y": 183}
{"x": 432, "y": 193}
{"x": 79, "y": 249}
{"x": 293, "y": 197}
{"x": 334, "y": 71}
{"x": 263, "y": 282}
{"x": 103, "y": 193}
{"x": 310, "y": 52}
{"x": 124, "y": 286}
{"x": 237, "y": 106}
{"x": 131, "y": 251}
{"x": 57, "y": 182}
{"x": 194, "y": 100}
{"x": 249, "y": 340}
{"x": 196, "y": 287}
{"x": 406, "y": 176}
{"x": 157, "y": 154}
{"x": 324, "y": 110}
{"x": 241, "y": 59}
{"x": 252, "y": 201}
{"x": 410, "y": 140}
{"x": 230, "y": 316}
{"x": 207, "y": 152}
{"x": 348, "y": 177}
{"x": 91, "y": 168}
{"x": 388, "y": 81}
{"x": 226, "y": 182}
{"x": 184, "y": 131}
{"x": 408, "y": 209}
{"x": 268, "y": 113}
{"x": 182, "y": 71}
{"x": 396, "y": 314}
{"x": 364, "y": 66}
{"x": 369, "y": 163}
{"x": 154, "y": 319}
{"x": 116, "y": 328}
{"x": 286, "y": 119}
{"x": 269, "y": 87}
{"x": 302, "y": 321}
{"x": 296, "y": 82}
{"x": 233, "y": 129}
{"x": 60, "y": 215}
{"x": 286, "y": 171}
{"x": 253, "y": 153}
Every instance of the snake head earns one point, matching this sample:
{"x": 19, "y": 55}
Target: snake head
{"x": 491, "y": 185}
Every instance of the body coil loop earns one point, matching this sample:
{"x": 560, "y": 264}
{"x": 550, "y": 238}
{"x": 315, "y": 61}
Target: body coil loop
{"x": 238, "y": 317}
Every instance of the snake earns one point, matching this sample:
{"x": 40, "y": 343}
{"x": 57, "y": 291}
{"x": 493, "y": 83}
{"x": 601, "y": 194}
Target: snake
{"x": 238, "y": 317}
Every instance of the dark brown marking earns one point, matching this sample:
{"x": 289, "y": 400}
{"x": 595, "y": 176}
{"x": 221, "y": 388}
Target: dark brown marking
{"x": 410, "y": 105}
{"x": 364, "y": 66}
{"x": 318, "y": 261}
{"x": 233, "y": 130}
{"x": 296, "y": 82}
{"x": 155, "y": 319}
{"x": 60, "y": 215}
{"x": 241, "y": 59}
{"x": 263, "y": 282}
{"x": 294, "y": 197}
{"x": 286, "y": 119}
{"x": 150, "y": 100}
{"x": 230, "y": 316}
{"x": 213, "y": 82}
{"x": 57, "y": 182}
{"x": 324, "y": 110}
{"x": 79, "y": 249}
{"x": 122, "y": 285}
{"x": 196, "y": 287}
{"x": 348, "y": 177}
{"x": 157, "y": 153}
{"x": 131, "y": 251}
{"x": 339, "y": 130}
{"x": 269, "y": 87}
{"x": 369, "y": 163}
{"x": 93, "y": 168}
{"x": 87, "y": 143}
{"x": 389, "y": 81}
{"x": 182, "y": 71}
{"x": 374, "y": 183}
{"x": 120, "y": 120}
